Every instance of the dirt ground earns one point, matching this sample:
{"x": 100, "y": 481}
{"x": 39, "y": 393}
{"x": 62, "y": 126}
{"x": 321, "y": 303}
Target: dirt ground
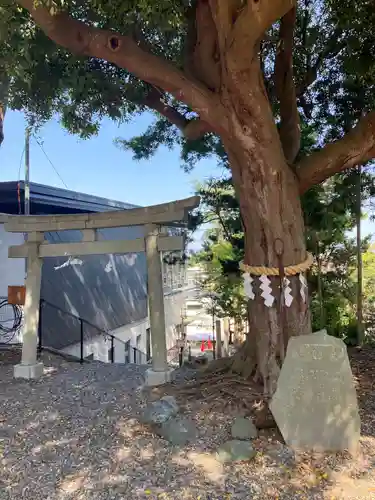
{"x": 75, "y": 435}
{"x": 281, "y": 474}
{"x": 341, "y": 476}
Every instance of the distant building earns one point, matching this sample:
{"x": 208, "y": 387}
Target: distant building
{"x": 199, "y": 322}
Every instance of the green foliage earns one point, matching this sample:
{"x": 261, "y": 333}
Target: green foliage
{"x": 329, "y": 214}
{"x": 369, "y": 292}
{"x": 45, "y": 80}
{"x": 223, "y": 248}
{"x": 335, "y": 262}
{"x": 225, "y": 288}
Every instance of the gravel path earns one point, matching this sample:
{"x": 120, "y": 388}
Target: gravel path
{"x": 75, "y": 435}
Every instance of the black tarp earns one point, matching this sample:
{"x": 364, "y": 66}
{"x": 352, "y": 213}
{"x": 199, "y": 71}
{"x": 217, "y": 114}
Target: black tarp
{"x": 107, "y": 291}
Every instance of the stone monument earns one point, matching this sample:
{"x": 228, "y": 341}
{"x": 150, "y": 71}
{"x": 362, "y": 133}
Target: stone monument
{"x": 315, "y": 403}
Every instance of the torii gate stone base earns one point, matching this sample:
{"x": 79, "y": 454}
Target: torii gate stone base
{"x": 154, "y": 242}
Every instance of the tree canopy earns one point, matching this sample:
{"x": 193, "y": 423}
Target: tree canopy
{"x": 121, "y": 57}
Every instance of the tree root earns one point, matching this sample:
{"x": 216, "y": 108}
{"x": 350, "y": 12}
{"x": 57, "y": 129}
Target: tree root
{"x": 218, "y": 387}
{"x": 221, "y": 365}
{"x": 244, "y": 363}
{"x": 226, "y": 384}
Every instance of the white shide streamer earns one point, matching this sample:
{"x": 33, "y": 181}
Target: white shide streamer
{"x": 303, "y": 287}
{"x": 248, "y": 287}
{"x": 288, "y": 297}
{"x": 266, "y": 291}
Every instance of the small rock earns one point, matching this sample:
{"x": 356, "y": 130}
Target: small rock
{"x": 160, "y": 411}
{"x": 235, "y": 451}
{"x": 178, "y": 431}
{"x": 243, "y": 428}
{"x": 171, "y": 401}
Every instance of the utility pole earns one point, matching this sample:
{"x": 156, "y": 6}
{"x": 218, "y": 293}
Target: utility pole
{"x": 213, "y": 328}
{"x": 320, "y": 282}
{"x": 360, "y": 329}
{"x": 27, "y": 171}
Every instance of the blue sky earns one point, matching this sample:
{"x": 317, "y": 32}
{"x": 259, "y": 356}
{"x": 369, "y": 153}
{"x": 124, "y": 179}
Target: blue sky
{"x": 96, "y": 166}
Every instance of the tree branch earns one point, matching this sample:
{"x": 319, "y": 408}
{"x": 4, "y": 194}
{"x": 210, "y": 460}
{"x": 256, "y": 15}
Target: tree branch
{"x": 290, "y": 129}
{"x": 250, "y": 26}
{"x": 224, "y": 227}
{"x": 224, "y": 15}
{"x": 355, "y": 148}
{"x": 191, "y": 129}
{"x": 203, "y": 55}
{"x": 85, "y": 40}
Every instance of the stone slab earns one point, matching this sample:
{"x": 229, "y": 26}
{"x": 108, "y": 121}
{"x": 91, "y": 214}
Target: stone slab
{"x": 171, "y": 400}
{"x": 154, "y": 378}
{"x": 315, "y": 404}
{"x": 243, "y": 428}
{"x": 158, "y": 412}
{"x": 178, "y": 431}
{"x": 28, "y": 372}
{"x": 235, "y": 451}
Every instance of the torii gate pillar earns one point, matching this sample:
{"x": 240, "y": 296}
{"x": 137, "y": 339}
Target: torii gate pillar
{"x": 160, "y": 373}
{"x": 29, "y": 368}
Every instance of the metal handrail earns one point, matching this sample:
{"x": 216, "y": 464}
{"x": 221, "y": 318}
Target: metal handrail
{"x": 137, "y": 353}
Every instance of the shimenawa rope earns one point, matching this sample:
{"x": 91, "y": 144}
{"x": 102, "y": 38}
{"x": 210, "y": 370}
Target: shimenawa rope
{"x": 274, "y": 271}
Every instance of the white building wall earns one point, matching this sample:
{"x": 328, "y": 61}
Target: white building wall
{"x": 174, "y": 307}
{"x": 12, "y": 272}
{"x": 199, "y": 321}
{"x": 98, "y": 347}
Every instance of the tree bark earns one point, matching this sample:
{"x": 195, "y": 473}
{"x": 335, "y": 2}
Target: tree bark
{"x": 268, "y": 193}
{"x": 290, "y": 129}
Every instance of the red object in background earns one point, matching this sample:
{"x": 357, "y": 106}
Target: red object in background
{"x": 209, "y": 344}
{"x": 202, "y": 346}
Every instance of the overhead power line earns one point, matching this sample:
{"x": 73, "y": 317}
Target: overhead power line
{"x": 50, "y": 162}
{"x": 19, "y": 170}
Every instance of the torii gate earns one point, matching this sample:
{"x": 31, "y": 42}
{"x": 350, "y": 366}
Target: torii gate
{"x": 153, "y": 242}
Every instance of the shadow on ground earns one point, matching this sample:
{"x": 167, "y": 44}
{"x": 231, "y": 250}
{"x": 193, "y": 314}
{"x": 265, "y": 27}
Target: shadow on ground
{"x": 75, "y": 434}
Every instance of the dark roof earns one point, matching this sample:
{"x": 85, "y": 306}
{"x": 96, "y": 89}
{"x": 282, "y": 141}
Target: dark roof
{"x": 48, "y": 200}
{"x": 107, "y": 290}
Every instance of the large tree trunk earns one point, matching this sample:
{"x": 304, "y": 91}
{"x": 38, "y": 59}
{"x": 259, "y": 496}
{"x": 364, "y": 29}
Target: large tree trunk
{"x": 269, "y": 199}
